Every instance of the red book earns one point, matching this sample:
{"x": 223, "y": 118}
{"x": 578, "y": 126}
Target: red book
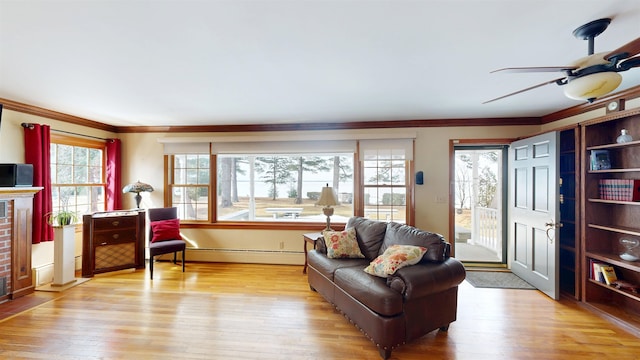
{"x": 636, "y": 190}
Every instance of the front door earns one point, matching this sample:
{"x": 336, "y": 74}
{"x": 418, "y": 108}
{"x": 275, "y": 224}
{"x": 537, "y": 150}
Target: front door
{"x": 534, "y": 210}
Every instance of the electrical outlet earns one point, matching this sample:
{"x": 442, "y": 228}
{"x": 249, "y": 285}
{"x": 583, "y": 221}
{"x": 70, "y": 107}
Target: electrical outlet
{"x": 441, "y": 199}
{"x": 281, "y": 245}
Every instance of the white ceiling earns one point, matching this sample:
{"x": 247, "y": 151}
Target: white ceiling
{"x": 137, "y": 63}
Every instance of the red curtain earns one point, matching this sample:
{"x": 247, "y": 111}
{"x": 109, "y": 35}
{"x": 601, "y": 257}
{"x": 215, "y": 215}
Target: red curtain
{"x": 37, "y": 144}
{"x": 114, "y": 182}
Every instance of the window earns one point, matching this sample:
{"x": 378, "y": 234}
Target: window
{"x": 385, "y": 183}
{"x": 77, "y": 174}
{"x": 282, "y": 187}
{"x": 190, "y": 186}
{"x": 280, "y": 181}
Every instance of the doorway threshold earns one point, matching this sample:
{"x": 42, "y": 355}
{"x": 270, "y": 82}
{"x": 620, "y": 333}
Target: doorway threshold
{"x": 484, "y": 266}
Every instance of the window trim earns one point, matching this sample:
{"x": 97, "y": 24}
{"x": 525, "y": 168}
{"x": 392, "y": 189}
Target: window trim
{"x": 60, "y": 139}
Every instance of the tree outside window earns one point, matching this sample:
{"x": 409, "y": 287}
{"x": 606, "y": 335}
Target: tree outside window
{"x": 77, "y": 176}
{"x": 190, "y": 186}
{"x": 282, "y": 187}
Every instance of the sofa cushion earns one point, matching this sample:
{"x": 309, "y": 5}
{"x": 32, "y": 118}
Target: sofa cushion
{"x": 394, "y": 258}
{"x": 372, "y": 291}
{"x": 399, "y": 234}
{"x": 369, "y": 233}
{"x": 342, "y": 244}
{"x": 327, "y": 267}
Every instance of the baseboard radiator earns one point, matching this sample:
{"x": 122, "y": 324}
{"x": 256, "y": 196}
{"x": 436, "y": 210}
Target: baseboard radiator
{"x": 43, "y": 275}
{"x": 241, "y": 256}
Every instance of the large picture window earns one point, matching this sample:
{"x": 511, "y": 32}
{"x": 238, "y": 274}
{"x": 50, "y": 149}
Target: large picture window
{"x": 77, "y": 175}
{"x": 280, "y": 181}
{"x": 282, "y": 187}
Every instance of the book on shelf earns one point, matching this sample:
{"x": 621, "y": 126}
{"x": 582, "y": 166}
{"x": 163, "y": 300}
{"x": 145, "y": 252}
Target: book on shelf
{"x": 600, "y": 160}
{"x": 595, "y": 271}
{"x": 619, "y": 189}
{"x": 608, "y": 273}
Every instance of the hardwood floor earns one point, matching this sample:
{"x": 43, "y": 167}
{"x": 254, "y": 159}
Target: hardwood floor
{"x": 240, "y": 311}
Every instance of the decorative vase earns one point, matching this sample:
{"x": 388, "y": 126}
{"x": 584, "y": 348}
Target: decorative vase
{"x": 629, "y": 245}
{"x": 624, "y": 137}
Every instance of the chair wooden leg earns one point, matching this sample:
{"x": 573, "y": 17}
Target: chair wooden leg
{"x": 183, "y": 251}
{"x": 175, "y": 257}
{"x": 151, "y": 266}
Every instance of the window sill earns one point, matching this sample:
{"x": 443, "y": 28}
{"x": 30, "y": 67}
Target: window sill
{"x": 261, "y": 225}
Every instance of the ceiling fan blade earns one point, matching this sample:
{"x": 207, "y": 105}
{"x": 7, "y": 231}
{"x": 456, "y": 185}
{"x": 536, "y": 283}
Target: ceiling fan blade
{"x": 628, "y": 50}
{"x": 535, "y": 69}
{"x": 527, "y": 89}
{"x": 629, "y": 63}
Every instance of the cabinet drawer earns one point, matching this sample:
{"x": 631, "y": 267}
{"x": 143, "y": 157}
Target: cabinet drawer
{"x": 113, "y": 237}
{"x": 108, "y": 223}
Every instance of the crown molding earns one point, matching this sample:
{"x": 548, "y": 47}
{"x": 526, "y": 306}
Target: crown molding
{"x": 628, "y": 94}
{"x": 54, "y": 115}
{"x": 387, "y": 124}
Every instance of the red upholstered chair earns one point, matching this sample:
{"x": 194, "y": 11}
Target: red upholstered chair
{"x": 164, "y": 235}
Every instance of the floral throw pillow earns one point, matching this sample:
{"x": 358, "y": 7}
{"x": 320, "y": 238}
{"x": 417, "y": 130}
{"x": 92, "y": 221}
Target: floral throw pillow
{"x": 342, "y": 244}
{"x": 394, "y": 258}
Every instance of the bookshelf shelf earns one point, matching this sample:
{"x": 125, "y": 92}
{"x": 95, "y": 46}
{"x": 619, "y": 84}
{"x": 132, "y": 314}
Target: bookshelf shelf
{"x": 605, "y": 222}
{"x": 619, "y": 291}
{"x": 614, "y": 145}
{"x": 615, "y": 260}
{"x": 637, "y": 203}
{"x": 620, "y": 230}
{"x": 609, "y": 171}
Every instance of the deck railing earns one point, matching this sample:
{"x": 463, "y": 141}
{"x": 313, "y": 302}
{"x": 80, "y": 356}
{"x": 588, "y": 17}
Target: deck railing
{"x": 487, "y": 231}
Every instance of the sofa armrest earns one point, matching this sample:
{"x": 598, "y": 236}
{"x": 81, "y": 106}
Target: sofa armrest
{"x": 427, "y": 278}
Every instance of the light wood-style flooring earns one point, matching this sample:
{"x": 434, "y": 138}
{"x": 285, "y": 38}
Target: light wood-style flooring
{"x": 242, "y": 311}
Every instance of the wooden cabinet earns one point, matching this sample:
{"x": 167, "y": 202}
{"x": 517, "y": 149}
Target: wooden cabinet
{"x": 112, "y": 241}
{"x": 16, "y": 222}
{"x": 606, "y": 221}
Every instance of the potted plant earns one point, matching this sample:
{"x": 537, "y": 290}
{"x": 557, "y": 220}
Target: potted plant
{"x": 61, "y": 218}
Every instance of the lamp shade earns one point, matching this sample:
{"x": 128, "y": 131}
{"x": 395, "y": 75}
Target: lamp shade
{"x": 592, "y": 86}
{"x": 327, "y": 197}
{"x": 137, "y": 188}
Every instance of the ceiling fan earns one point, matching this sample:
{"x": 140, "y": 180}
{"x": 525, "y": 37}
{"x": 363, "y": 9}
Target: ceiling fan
{"x": 592, "y": 76}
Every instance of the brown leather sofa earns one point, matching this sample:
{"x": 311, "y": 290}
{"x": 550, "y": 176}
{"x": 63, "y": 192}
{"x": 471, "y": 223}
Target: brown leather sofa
{"x": 414, "y": 301}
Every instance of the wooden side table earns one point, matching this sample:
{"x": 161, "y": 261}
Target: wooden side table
{"x": 309, "y": 238}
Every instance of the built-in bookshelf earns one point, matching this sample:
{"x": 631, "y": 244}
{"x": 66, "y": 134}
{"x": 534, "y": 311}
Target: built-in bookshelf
{"x": 605, "y": 222}
{"x": 569, "y": 207}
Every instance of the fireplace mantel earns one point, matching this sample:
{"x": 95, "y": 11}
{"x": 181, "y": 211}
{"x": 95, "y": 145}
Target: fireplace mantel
{"x": 15, "y": 240}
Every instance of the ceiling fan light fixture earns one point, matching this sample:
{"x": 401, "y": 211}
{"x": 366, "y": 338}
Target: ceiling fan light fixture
{"x": 592, "y": 86}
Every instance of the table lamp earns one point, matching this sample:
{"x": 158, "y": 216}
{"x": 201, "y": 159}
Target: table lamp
{"x": 327, "y": 199}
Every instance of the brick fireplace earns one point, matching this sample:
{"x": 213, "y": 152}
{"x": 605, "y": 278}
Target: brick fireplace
{"x": 6, "y": 220}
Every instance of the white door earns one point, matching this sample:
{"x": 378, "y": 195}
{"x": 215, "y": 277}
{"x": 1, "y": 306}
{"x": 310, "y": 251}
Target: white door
{"x": 534, "y": 210}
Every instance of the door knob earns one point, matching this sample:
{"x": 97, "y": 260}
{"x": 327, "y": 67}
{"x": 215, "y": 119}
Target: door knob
{"x": 551, "y": 226}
